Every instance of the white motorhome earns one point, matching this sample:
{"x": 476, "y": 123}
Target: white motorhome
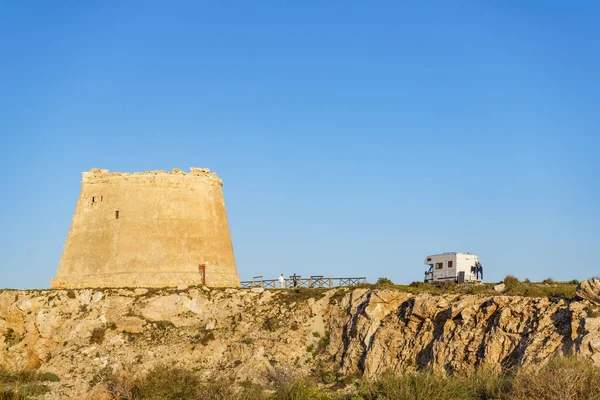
{"x": 453, "y": 267}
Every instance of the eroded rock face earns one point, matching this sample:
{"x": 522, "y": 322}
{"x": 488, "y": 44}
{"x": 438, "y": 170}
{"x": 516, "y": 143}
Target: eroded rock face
{"x": 590, "y": 290}
{"x": 242, "y": 333}
{"x": 459, "y": 332}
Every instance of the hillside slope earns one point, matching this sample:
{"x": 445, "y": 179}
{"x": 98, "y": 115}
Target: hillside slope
{"x": 79, "y": 335}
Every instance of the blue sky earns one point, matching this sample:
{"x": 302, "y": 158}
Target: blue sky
{"x": 354, "y": 138}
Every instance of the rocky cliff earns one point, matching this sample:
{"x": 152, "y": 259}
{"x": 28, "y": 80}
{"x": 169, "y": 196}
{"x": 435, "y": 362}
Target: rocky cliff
{"x": 81, "y": 334}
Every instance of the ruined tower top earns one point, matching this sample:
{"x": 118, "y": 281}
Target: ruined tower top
{"x": 148, "y": 229}
{"x": 97, "y": 175}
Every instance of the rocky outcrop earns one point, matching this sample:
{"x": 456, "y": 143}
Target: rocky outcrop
{"x": 590, "y": 290}
{"x": 385, "y": 329}
{"x": 81, "y": 334}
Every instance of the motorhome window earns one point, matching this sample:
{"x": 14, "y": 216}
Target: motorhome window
{"x": 429, "y": 259}
{"x": 439, "y": 265}
{"x": 449, "y": 264}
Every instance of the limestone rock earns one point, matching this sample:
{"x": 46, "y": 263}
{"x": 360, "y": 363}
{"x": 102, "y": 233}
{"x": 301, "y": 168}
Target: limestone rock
{"x": 211, "y": 324}
{"x": 130, "y": 325}
{"x": 83, "y": 334}
{"x": 500, "y": 287}
{"x": 590, "y": 290}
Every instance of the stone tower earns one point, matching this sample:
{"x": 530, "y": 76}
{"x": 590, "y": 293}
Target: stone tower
{"x": 148, "y": 229}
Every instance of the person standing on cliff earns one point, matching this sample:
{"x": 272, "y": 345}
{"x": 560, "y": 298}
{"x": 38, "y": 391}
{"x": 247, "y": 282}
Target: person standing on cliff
{"x": 281, "y": 281}
{"x": 295, "y": 279}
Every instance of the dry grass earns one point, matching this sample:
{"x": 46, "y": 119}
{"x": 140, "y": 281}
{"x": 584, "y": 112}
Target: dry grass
{"x": 23, "y": 384}
{"x": 171, "y": 383}
{"x": 560, "y": 379}
{"x": 514, "y": 287}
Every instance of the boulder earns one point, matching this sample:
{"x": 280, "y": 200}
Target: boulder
{"x": 500, "y": 287}
{"x": 590, "y": 290}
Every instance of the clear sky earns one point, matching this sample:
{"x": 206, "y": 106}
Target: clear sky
{"x": 354, "y": 138}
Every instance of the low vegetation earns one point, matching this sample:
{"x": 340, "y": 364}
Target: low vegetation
{"x": 24, "y": 384}
{"x": 561, "y": 378}
{"x": 513, "y": 287}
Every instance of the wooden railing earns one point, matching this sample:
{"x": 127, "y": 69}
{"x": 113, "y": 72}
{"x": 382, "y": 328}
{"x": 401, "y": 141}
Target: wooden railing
{"x": 315, "y": 281}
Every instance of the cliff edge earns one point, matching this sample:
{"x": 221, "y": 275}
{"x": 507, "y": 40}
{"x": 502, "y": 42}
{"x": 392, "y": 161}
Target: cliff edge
{"x": 245, "y": 333}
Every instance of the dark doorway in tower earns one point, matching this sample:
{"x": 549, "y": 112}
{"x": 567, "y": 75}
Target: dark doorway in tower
{"x": 202, "y": 270}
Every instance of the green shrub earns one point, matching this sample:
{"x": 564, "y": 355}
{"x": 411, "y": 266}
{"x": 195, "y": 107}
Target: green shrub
{"x": 549, "y": 281}
{"x": 301, "y": 389}
{"x": 32, "y": 390}
{"x": 511, "y": 281}
{"x": 48, "y": 377}
{"x": 11, "y": 338}
{"x": 164, "y": 325}
{"x": 23, "y": 384}
{"x": 160, "y": 383}
{"x": 204, "y": 338}
{"x": 323, "y": 343}
{"x": 416, "y": 385}
{"x": 272, "y": 324}
{"x": 384, "y": 281}
{"x": 97, "y": 336}
{"x": 445, "y": 285}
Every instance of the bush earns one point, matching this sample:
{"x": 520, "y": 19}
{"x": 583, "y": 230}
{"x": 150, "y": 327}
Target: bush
{"x": 97, "y": 336}
{"x": 272, "y": 324}
{"x": 416, "y": 385}
{"x": 281, "y": 377}
{"x": 204, "y": 337}
{"x": 445, "y": 285}
{"x": 301, "y": 389}
{"x": 561, "y": 378}
{"x": 23, "y": 384}
{"x": 164, "y": 325}
{"x": 549, "y": 281}
{"x": 32, "y": 390}
{"x": 167, "y": 383}
{"x": 48, "y": 377}
{"x": 511, "y": 281}
{"x": 384, "y": 281}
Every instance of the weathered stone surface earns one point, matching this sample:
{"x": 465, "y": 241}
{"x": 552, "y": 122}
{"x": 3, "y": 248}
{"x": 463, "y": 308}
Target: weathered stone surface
{"x": 148, "y": 229}
{"x": 590, "y": 290}
{"x": 500, "y": 287}
{"x": 242, "y": 334}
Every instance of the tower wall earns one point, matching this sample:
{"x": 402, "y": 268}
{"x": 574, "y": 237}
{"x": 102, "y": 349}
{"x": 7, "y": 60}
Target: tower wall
{"x": 148, "y": 229}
